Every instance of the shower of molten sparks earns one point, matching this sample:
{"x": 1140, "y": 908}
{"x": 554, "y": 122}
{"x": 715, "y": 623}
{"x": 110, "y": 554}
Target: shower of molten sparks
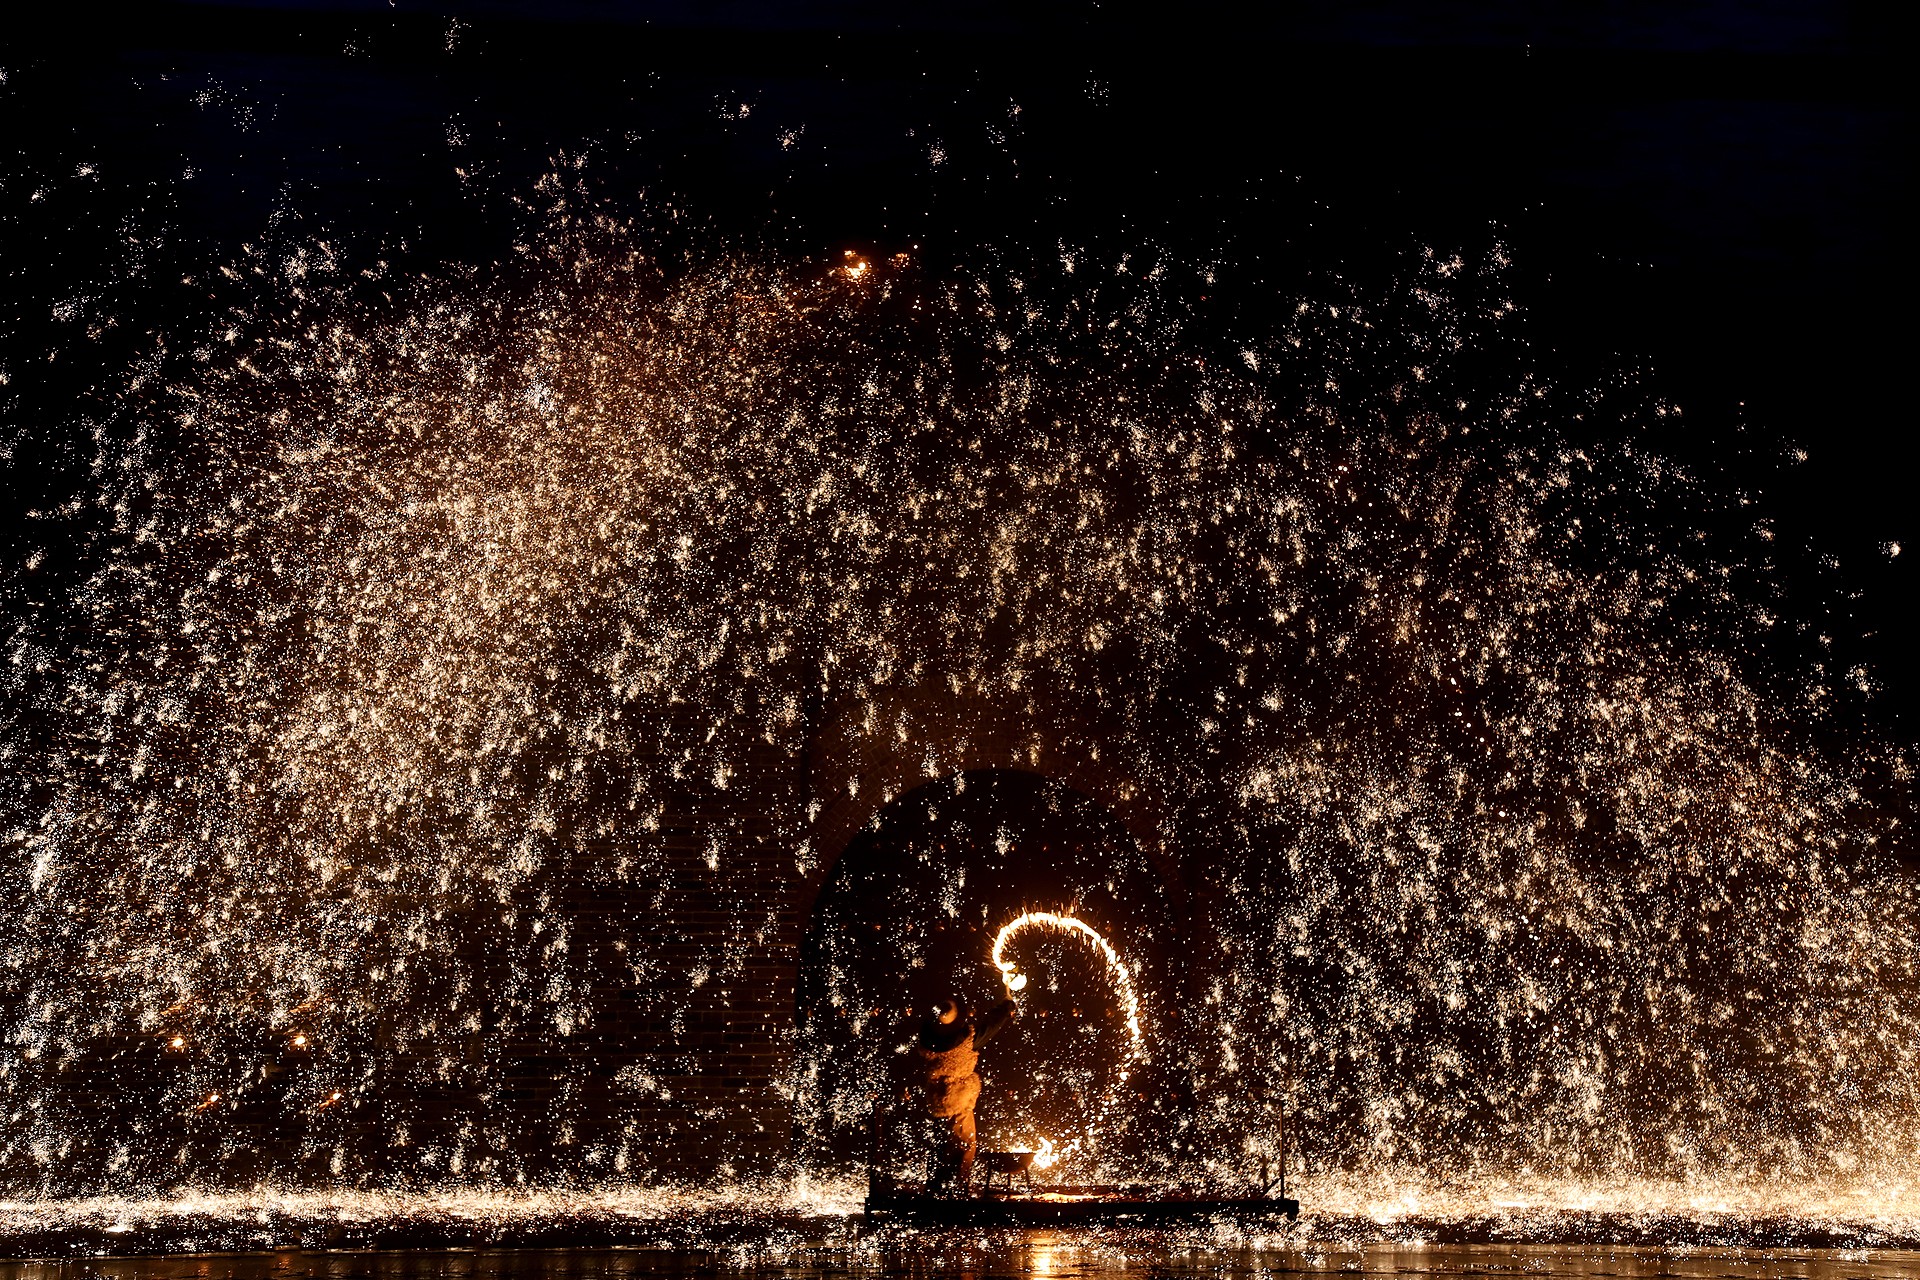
{"x": 1045, "y": 1157}
{"x": 1117, "y": 969}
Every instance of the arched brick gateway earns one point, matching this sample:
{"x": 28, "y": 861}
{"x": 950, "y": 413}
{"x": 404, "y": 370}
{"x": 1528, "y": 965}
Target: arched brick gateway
{"x": 724, "y": 1062}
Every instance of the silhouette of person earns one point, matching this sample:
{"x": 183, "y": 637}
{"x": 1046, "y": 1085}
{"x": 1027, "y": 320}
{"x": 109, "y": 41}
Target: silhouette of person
{"x": 943, "y": 1063}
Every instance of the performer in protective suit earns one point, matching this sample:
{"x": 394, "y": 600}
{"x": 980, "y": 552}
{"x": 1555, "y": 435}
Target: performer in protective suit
{"x": 943, "y": 1066}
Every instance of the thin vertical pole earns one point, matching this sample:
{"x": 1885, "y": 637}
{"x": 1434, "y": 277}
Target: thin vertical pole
{"x": 873, "y": 1150}
{"x": 1286, "y": 1095}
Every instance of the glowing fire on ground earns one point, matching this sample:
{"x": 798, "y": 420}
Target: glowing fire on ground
{"x": 1117, "y": 969}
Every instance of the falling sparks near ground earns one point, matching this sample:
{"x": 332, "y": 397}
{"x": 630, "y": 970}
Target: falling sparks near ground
{"x": 770, "y": 1218}
{"x": 1117, "y": 970}
{"x": 404, "y": 609}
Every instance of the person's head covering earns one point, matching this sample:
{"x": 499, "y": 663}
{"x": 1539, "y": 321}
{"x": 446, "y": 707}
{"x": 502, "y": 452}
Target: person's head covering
{"x": 947, "y": 1024}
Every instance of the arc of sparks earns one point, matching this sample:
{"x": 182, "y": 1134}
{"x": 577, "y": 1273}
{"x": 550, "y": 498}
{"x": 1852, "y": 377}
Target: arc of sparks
{"x": 1116, "y": 967}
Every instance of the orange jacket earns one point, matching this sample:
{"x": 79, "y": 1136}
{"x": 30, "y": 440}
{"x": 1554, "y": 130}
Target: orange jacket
{"x": 944, "y": 1063}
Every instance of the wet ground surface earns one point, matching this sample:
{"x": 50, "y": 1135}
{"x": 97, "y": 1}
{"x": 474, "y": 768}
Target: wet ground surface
{"x": 1026, "y": 1256}
{"x": 808, "y": 1227}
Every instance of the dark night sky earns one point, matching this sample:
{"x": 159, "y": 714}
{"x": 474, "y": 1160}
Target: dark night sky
{"x": 1720, "y": 189}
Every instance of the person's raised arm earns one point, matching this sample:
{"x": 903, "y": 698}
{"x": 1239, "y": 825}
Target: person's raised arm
{"x": 993, "y": 1022}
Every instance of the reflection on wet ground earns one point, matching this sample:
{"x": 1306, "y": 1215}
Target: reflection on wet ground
{"x": 1025, "y": 1256}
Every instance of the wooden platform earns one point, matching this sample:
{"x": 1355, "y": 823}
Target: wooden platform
{"x": 1071, "y": 1206}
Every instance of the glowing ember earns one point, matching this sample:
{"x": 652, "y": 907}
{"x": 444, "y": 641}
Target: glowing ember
{"x": 1117, "y": 970}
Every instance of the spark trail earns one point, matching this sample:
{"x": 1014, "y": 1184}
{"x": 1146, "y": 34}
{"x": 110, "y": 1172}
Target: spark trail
{"x": 1117, "y": 971}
